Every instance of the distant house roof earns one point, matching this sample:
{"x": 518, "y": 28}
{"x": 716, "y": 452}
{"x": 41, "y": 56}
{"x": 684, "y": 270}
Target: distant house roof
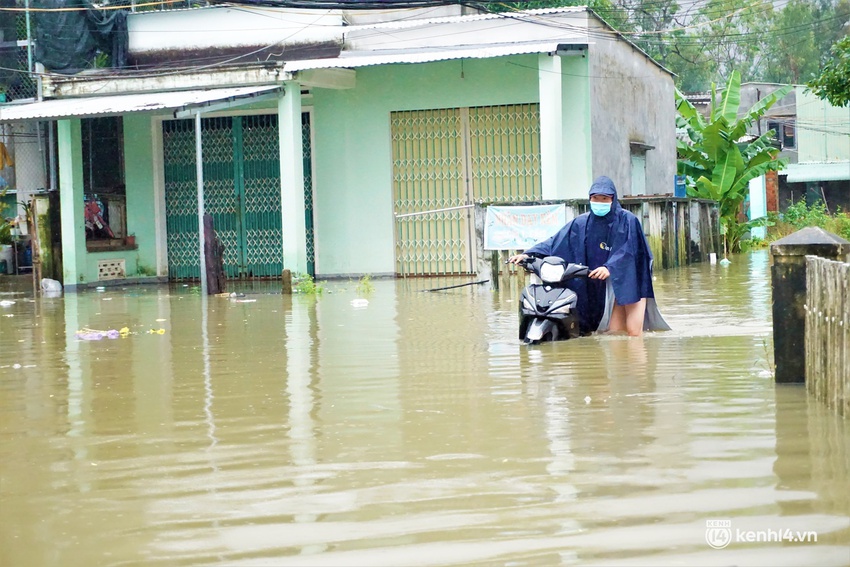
{"x": 145, "y": 102}
{"x": 429, "y": 54}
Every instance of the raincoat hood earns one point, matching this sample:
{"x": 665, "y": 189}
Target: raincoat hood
{"x": 604, "y": 186}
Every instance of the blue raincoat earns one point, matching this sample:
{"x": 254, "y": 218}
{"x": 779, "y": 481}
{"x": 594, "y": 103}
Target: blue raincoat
{"x": 617, "y": 242}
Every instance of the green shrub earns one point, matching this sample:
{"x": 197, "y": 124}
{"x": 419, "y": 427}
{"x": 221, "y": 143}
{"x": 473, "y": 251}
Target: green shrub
{"x": 839, "y": 224}
{"x": 307, "y": 286}
{"x": 799, "y": 215}
{"x": 754, "y": 243}
{"x": 365, "y": 285}
{"x": 5, "y": 231}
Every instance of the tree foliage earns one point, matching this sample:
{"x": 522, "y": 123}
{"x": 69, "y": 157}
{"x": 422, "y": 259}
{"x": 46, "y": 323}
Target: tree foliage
{"x": 718, "y": 165}
{"x": 703, "y": 42}
{"x": 833, "y": 84}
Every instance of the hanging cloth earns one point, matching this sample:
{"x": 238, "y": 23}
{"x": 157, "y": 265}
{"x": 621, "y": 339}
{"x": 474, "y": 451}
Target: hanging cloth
{"x": 5, "y": 158}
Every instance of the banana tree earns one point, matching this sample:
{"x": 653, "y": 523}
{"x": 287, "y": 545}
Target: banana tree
{"x": 718, "y": 160}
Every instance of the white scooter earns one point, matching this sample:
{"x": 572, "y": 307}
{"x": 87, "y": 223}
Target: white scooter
{"x": 547, "y": 310}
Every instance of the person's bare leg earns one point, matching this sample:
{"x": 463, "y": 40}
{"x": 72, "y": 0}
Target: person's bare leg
{"x": 634, "y": 314}
{"x": 617, "y": 323}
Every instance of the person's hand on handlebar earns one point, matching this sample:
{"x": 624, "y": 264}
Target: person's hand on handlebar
{"x": 518, "y": 258}
{"x": 600, "y": 273}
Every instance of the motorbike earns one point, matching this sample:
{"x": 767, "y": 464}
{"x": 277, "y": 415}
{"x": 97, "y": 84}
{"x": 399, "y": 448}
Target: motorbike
{"x": 547, "y": 310}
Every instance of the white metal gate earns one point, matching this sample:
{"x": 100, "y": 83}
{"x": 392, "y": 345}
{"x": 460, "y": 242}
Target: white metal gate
{"x": 446, "y": 159}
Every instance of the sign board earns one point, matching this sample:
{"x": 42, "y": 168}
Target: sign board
{"x": 522, "y": 226}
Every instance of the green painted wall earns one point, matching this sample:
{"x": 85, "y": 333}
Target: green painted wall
{"x": 353, "y": 156}
{"x": 139, "y": 177}
{"x": 70, "y": 157}
{"x": 141, "y": 219}
{"x": 576, "y": 130}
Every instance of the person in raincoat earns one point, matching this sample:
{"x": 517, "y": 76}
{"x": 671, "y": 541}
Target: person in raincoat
{"x": 618, "y": 294}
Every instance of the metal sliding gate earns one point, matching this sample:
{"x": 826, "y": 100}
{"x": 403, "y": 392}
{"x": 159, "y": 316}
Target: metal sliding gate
{"x": 241, "y": 191}
{"x": 444, "y": 160}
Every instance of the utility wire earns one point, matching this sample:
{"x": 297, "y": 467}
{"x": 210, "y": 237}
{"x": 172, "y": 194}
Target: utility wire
{"x": 522, "y": 16}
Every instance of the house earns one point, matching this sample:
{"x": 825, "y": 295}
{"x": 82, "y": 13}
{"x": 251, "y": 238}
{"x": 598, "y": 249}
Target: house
{"x": 812, "y": 135}
{"x": 340, "y": 143}
{"x": 815, "y": 138}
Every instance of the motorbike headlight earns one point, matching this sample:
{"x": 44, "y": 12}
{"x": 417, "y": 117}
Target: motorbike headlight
{"x": 551, "y": 273}
{"x": 527, "y": 304}
{"x": 564, "y": 309}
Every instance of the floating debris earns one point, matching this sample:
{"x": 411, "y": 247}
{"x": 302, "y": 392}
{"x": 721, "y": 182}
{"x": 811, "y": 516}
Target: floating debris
{"x": 6, "y": 303}
{"x": 87, "y": 334}
{"x": 96, "y": 335}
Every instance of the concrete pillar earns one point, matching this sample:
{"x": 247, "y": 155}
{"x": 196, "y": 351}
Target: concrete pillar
{"x": 771, "y": 182}
{"x": 565, "y": 142}
{"x": 788, "y": 282}
{"x": 292, "y": 179}
{"x": 70, "y": 153}
{"x": 553, "y": 176}
{"x": 758, "y": 205}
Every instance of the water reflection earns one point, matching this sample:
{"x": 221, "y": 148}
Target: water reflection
{"x": 415, "y": 431}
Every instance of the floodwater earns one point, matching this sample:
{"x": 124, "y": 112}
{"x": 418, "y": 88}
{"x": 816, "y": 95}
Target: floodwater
{"x": 415, "y": 430}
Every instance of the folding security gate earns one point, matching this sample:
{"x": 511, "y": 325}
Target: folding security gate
{"x": 241, "y": 191}
{"x": 446, "y": 159}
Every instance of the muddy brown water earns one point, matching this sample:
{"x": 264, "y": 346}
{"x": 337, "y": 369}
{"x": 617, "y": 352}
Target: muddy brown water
{"x": 415, "y": 430}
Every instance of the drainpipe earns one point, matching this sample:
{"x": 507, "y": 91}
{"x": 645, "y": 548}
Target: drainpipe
{"x": 51, "y": 153}
{"x": 199, "y": 171}
{"x": 29, "y": 36}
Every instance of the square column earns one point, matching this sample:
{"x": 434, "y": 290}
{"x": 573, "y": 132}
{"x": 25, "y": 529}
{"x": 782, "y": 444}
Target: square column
{"x": 292, "y": 179}
{"x": 552, "y": 166}
{"x": 758, "y": 205}
{"x": 565, "y": 142}
{"x": 70, "y": 150}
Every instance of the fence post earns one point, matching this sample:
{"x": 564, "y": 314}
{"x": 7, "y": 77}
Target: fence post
{"x": 486, "y": 268}
{"x": 788, "y": 283}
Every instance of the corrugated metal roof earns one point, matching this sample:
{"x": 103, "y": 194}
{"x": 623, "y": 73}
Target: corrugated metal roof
{"x": 122, "y": 104}
{"x": 418, "y": 22}
{"x": 424, "y": 55}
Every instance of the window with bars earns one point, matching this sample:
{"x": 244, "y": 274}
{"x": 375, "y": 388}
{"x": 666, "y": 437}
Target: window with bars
{"x": 785, "y": 134}
{"x": 103, "y": 179}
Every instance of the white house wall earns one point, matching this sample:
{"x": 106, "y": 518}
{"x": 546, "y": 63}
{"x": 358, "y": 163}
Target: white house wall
{"x": 632, "y": 100}
{"x": 823, "y": 130}
{"x": 226, "y": 26}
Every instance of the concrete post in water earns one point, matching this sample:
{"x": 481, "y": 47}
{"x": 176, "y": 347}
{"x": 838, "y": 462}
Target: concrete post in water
{"x": 486, "y": 261}
{"x": 286, "y": 280}
{"x": 788, "y": 283}
{"x": 214, "y": 258}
